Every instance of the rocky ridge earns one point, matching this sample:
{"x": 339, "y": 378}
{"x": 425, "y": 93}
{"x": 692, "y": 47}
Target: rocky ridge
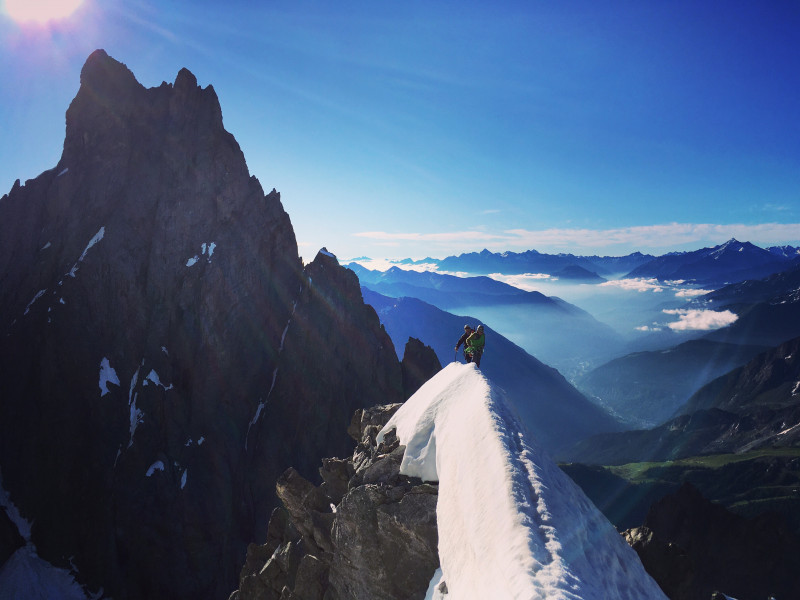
{"x": 365, "y": 533}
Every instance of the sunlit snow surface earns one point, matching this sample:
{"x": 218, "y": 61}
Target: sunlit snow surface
{"x": 511, "y": 524}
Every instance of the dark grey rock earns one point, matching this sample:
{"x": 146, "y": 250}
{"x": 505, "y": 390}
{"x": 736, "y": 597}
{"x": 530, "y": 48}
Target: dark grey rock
{"x": 312, "y": 579}
{"x": 419, "y": 364}
{"x": 692, "y": 547}
{"x": 335, "y": 473}
{"x": 385, "y": 468}
{"x": 308, "y": 508}
{"x": 10, "y": 539}
{"x": 379, "y": 543}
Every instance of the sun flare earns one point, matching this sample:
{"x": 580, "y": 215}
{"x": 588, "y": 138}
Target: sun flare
{"x": 40, "y": 11}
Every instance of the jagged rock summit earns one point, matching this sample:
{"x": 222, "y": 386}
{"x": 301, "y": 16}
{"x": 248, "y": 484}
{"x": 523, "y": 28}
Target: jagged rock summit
{"x": 155, "y": 321}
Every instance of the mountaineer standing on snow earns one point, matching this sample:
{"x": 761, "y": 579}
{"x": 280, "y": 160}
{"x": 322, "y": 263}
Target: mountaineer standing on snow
{"x": 475, "y": 343}
{"x": 463, "y": 340}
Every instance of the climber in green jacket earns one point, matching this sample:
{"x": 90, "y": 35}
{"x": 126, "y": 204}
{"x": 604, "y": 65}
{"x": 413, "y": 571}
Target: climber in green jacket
{"x": 475, "y": 343}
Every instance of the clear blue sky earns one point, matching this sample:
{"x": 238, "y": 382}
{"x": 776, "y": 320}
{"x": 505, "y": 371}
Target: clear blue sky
{"x": 396, "y": 129}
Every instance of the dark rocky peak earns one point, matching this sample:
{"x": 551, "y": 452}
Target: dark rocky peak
{"x": 767, "y": 381}
{"x": 185, "y": 82}
{"x": 107, "y": 81}
{"x": 419, "y": 364}
{"x": 164, "y": 355}
{"x": 113, "y": 114}
{"x": 693, "y": 547}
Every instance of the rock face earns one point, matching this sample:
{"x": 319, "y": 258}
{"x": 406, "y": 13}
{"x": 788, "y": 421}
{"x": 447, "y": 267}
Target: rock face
{"x": 419, "y": 364}
{"x": 335, "y": 357}
{"x": 10, "y": 539}
{"x": 366, "y": 533}
{"x": 693, "y": 547}
{"x": 165, "y": 355}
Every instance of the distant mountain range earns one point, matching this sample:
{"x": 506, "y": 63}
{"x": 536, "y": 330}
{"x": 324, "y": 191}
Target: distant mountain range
{"x": 754, "y": 406}
{"x": 531, "y": 261}
{"x": 768, "y": 310}
{"x": 727, "y": 263}
{"x": 451, "y": 291}
{"x": 556, "y": 332}
{"x": 554, "y": 411}
{"x": 646, "y": 388}
{"x": 730, "y": 262}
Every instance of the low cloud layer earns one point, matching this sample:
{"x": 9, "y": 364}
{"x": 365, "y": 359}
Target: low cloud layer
{"x": 692, "y": 319}
{"x": 636, "y": 285}
{"x": 527, "y": 281}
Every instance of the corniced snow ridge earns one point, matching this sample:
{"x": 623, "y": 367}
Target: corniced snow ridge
{"x": 511, "y": 524}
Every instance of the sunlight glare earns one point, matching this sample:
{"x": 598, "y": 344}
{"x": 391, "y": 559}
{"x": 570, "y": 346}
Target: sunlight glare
{"x": 40, "y": 11}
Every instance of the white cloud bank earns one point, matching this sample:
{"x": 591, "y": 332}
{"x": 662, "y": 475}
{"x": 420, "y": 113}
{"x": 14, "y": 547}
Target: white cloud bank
{"x": 636, "y": 285}
{"x": 527, "y": 281}
{"x": 691, "y": 319}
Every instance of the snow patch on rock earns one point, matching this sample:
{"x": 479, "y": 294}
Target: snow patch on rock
{"x": 153, "y": 378}
{"x": 107, "y": 375}
{"x": 156, "y": 466}
{"x": 206, "y": 249}
{"x": 38, "y": 295}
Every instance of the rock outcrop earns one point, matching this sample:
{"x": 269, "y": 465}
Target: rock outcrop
{"x": 693, "y": 547}
{"x": 365, "y": 533}
{"x": 419, "y": 364}
{"x": 165, "y": 354}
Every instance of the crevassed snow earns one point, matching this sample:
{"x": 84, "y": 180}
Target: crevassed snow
{"x": 156, "y": 466}
{"x": 511, "y": 524}
{"x": 107, "y": 375}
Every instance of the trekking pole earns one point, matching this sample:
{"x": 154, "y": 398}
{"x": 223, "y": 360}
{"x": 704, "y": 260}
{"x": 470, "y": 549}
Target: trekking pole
{"x": 455, "y": 355}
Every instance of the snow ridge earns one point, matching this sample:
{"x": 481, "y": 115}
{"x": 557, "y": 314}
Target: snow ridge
{"x": 511, "y": 523}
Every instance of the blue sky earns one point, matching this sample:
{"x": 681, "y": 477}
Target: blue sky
{"x": 433, "y": 128}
